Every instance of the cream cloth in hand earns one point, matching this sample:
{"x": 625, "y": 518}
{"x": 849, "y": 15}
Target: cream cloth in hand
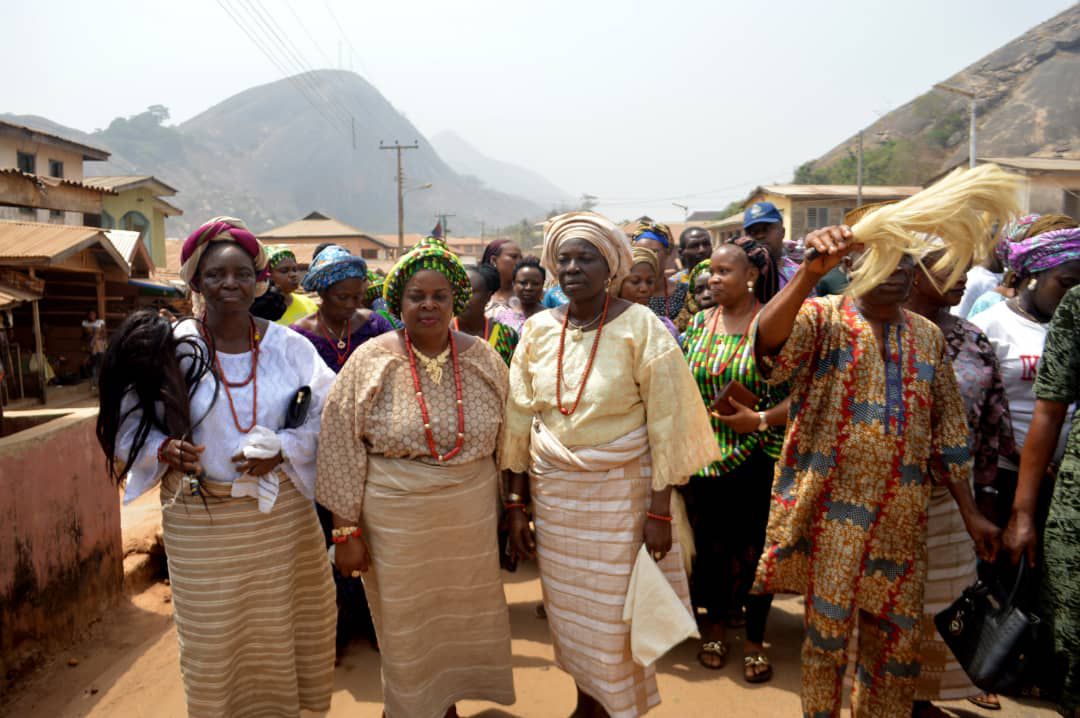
{"x": 658, "y": 619}
{"x": 262, "y": 443}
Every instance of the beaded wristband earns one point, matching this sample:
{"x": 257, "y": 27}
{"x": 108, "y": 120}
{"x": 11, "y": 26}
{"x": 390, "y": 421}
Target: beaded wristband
{"x": 344, "y": 533}
{"x": 658, "y": 517}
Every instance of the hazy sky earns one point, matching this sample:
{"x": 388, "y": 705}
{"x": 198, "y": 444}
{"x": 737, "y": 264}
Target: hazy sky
{"x": 641, "y": 104}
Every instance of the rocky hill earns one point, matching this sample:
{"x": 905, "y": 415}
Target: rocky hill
{"x": 1028, "y": 104}
{"x": 269, "y": 156}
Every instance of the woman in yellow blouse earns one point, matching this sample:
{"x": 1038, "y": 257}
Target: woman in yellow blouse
{"x": 601, "y": 375}
{"x": 285, "y": 274}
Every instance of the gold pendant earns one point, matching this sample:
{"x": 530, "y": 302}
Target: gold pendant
{"x": 341, "y": 344}
{"x": 575, "y": 334}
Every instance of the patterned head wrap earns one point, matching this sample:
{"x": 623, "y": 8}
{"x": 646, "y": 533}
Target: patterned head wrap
{"x": 597, "y": 230}
{"x": 221, "y": 229}
{"x": 332, "y": 265}
{"x": 1044, "y": 251}
{"x": 374, "y": 285}
{"x": 638, "y": 255}
{"x": 1013, "y": 232}
{"x": 647, "y": 229}
{"x": 644, "y": 255}
{"x": 700, "y": 268}
{"x": 278, "y": 253}
{"x": 432, "y": 253}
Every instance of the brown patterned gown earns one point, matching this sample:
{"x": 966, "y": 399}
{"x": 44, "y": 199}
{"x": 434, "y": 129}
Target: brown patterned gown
{"x": 434, "y": 588}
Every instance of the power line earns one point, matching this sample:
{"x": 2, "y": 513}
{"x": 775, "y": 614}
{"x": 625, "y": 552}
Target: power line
{"x": 277, "y": 38}
{"x": 649, "y": 200}
{"x": 300, "y": 61}
{"x": 261, "y": 47}
{"x": 348, "y": 43}
{"x": 314, "y": 42}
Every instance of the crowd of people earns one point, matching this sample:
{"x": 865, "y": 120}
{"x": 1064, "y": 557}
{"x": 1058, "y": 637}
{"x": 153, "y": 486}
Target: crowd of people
{"x": 726, "y": 409}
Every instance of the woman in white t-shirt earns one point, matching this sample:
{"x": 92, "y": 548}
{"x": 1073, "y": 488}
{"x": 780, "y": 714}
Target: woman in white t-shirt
{"x": 1047, "y": 265}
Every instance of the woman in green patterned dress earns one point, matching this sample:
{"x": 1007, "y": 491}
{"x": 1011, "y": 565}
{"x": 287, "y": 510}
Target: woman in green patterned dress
{"x": 1057, "y": 388}
{"x": 742, "y": 278}
{"x": 485, "y": 280}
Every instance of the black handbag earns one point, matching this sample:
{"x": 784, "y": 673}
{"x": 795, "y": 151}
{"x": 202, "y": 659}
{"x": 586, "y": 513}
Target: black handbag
{"x": 992, "y": 638}
{"x": 296, "y": 413}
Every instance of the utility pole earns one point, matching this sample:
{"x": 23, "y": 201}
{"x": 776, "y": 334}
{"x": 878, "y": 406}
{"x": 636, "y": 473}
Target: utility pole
{"x": 973, "y": 98}
{"x": 858, "y": 175}
{"x": 398, "y": 147}
{"x": 685, "y": 210}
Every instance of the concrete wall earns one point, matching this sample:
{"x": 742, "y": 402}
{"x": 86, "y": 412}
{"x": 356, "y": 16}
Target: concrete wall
{"x": 61, "y": 557}
{"x": 140, "y": 200}
{"x": 73, "y": 170}
{"x": 1050, "y": 194}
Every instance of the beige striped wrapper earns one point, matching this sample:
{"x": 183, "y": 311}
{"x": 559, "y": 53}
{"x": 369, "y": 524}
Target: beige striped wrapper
{"x": 253, "y": 602}
{"x": 590, "y": 525}
{"x": 949, "y": 570}
{"x": 435, "y": 589}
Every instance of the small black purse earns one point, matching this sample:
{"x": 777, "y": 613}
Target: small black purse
{"x": 296, "y": 413}
{"x": 992, "y": 638}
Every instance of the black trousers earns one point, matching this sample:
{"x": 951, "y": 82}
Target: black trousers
{"x": 728, "y": 515}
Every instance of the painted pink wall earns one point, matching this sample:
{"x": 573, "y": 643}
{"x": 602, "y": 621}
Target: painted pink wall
{"x": 61, "y": 558}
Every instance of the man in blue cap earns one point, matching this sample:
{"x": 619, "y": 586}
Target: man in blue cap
{"x": 763, "y": 222}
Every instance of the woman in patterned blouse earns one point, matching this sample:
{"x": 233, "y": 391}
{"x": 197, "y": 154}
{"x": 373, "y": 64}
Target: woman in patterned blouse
{"x": 742, "y": 277}
{"x": 951, "y": 566}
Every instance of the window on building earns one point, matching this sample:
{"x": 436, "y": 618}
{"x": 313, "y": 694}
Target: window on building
{"x": 137, "y": 222}
{"x": 28, "y": 214}
{"x": 27, "y": 162}
{"x": 56, "y": 216}
{"x": 1071, "y": 203}
{"x": 56, "y": 168}
{"x": 817, "y": 217}
{"x": 369, "y": 253}
{"x": 107, "y": 221}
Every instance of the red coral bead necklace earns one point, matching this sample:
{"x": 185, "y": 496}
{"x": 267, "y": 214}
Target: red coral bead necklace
{"x": 460, "y": 442}
{"x": 253, "y": 379}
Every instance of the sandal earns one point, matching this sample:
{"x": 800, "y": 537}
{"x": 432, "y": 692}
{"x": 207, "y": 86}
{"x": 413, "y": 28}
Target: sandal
{"x": 718, "y": 649}
{"x": 986, "y": 701}
{"x": 751, "y": 666}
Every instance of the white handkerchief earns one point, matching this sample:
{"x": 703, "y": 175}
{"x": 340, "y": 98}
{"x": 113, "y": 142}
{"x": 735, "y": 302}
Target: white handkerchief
{"x": 658, "y": 619}
{"x": 261, "y": 443}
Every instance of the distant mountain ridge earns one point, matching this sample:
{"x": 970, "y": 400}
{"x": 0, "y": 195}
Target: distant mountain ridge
{"x": 1028, "y": 104}
{"x": 267, "y": 156}
{"x": 502, "y": 176}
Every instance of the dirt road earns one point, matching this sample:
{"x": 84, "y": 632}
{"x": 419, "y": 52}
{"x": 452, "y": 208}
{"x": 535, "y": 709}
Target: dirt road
{"x": 128, "y": 668}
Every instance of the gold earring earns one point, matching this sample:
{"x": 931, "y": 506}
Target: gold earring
{"x": 750, "y": 285}
{"x": 1032, "y": 284}
{"x": 607, "y": 284}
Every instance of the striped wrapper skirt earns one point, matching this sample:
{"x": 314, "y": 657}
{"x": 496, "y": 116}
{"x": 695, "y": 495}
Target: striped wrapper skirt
{"x": 253, "y": 602}
{"x": 950, "y": 569}
{"x": 435, "y": 587}
{"x": 590, "y": 506}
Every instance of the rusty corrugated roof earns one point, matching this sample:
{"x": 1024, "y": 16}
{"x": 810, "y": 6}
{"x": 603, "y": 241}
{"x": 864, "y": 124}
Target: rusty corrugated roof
{"x": 40, "y": 243}
{"x": 316, "y": 226}
{"x": 125, "y": 182}
{"x": 44, "y": 181}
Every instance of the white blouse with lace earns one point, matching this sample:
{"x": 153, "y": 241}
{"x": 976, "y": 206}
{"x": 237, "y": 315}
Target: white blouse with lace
{"x": 287, "y": 362}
